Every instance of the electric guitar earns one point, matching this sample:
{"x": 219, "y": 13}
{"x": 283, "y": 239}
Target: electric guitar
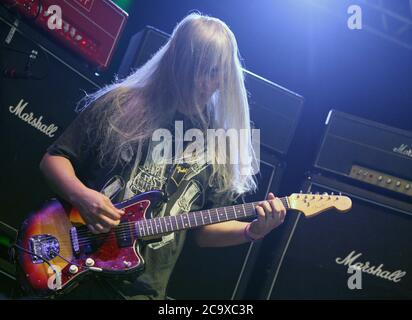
{"x": 55, "y": 249}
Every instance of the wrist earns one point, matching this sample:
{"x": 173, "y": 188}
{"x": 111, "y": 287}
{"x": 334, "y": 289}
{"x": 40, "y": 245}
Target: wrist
{"x": 250, "y": 236}
{"x": 76, "y": 194}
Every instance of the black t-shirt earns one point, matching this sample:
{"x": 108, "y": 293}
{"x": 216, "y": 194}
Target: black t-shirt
{"x": 185, "y": 185}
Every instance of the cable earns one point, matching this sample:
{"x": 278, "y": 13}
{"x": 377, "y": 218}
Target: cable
{"x": 36, "y": 255}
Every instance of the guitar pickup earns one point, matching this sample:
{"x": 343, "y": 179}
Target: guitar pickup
{"x": 74, "y": 240}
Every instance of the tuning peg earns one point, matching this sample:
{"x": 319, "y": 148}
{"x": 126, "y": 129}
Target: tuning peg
{"x": 301, "y": 192}
{"x": 332, "y": 193}
{"x": 340, "y": 193}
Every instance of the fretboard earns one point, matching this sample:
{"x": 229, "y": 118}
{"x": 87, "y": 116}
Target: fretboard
{"x": 161, "y": 225}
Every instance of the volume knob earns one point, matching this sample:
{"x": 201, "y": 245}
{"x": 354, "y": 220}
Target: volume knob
{"x": 89, "y": 262}
{"x": 73, "y": 269}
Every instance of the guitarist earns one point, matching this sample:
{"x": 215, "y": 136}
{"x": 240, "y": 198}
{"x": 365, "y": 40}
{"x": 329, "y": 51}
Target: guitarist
{"x": 108, "y": 153}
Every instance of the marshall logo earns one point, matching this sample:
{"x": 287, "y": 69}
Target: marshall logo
{"x": 366, "y": 267}
{"x": 48, "y": 130}
{"x": 404, "y": 150}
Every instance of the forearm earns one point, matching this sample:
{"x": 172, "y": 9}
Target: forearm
{"x": 223, "y": 234}
{"x": 60, "y": 175}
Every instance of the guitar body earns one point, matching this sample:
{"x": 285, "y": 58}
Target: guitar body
{"x": 57, "y": 250}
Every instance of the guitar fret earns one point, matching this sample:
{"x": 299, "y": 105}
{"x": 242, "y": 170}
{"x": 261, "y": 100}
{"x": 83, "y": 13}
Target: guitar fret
{"x": 176, "y": 226}
{"x": 201, "y": 214}
{"x": 151, "y": 227}
{"x": 207, "y": 213}
{"x": 183, "y": 223}
{"x": 145, "y": 225}
{"x": 244, "y": 210}
{"x": 195, "y": 219}
{"x": 141, "y": 229}
{"x": 188, "y": 219}
{"x": 156, "y": 226}
{"x": 217, "y": 214}
{"x": 227, "y": 218}
{"x": 234, "y": 212}
{"x": 160, "y": 223}
{"x": 166, "y": 223}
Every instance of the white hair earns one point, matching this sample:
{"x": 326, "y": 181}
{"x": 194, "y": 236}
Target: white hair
{"x": 200, "y": 47}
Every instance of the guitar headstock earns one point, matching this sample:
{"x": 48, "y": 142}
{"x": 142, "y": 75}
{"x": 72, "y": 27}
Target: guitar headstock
{"x": 313, "y": 204}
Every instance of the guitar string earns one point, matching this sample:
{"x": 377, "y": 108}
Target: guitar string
{"x": 201, "y": 212}
{"x": 124, "y": 228}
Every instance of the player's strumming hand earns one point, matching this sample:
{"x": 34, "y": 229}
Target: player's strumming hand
{"x": 97, "y": 210}
{"x": 270, "y": 214}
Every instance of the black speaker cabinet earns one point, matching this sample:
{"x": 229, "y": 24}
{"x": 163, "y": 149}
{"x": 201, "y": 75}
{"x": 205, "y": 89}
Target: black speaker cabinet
{"x": 141, "y": 48}
{"x": 317, "y": 258}
{"x": 222, "y": 273}
{"x": 34, "y": 112}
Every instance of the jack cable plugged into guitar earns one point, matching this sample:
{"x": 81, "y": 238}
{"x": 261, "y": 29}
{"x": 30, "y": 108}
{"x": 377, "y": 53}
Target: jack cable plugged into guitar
{"x": 58, "y": 255}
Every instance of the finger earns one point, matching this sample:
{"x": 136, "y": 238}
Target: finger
{"x": 271, "y": 196}
{"x": 100, "y": 228}
{"x": 110, "y": 211}
{"x": 261, "y": 217}
{"x": 267, "y": 208}
{"x": 280, "y": 209}
{"x": 92, "y": 229}
{"x": 107, "y": 222}
{"x": 272, "y": 203}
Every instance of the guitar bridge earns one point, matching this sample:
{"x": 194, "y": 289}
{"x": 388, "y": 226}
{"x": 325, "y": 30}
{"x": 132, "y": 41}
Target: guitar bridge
{"x": 45, "y": 246}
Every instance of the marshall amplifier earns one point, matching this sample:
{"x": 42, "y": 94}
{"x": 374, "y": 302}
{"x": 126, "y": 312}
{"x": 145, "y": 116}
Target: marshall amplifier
{"x": 36, "y": 107}
{"x": 273, "y": 109}
{"x": 361, "y": 254}
{"x": 91, "y": 28}
{"x": 373, "y": 154}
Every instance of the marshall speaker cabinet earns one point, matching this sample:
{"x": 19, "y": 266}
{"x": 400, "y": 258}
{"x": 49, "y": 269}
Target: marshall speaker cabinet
{"x": 38, "y": 95}
{"x": 361, "y": 254}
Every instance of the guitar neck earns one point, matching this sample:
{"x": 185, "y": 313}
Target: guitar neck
{"x": 161, "y": 225}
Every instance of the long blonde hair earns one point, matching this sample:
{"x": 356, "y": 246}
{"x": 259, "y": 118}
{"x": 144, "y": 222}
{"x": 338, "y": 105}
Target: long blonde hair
{"x": 200, "y": 47}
